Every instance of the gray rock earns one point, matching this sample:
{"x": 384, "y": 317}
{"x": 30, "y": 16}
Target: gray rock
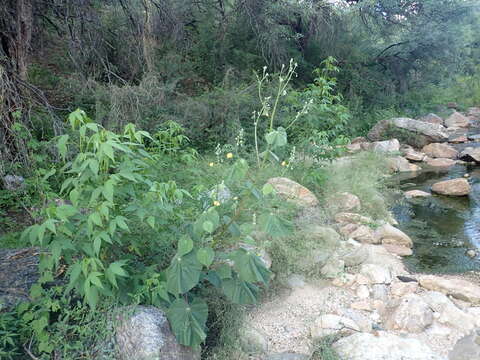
{"x": 420, "y": 133}
{"x": 13, "y": 182}
{"x": 287, "y": 356}
{"x": 475, "y": 137}
{"x": 432, "y": 119}
{"x": 253, "y": 341}
{"x": 143, "y": 333}
{"x": 355, "y": 256}
{"x": 412, "y": 315}
{"x": 18, "y": 272}
{"x": 467, "y": 348}
{"x": 333, "y": 268}
{"x": 383, "y": 346}
{"x": 470, "y": 154}
{"x": 296, "y": 281}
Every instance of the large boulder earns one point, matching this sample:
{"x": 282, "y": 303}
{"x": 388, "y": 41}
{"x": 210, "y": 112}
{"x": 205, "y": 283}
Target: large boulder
{"x": 474, "y": 113}
{"x": 331, "y": 324}
{"x": 432, "y": 119}
{"x": 454, "y": 187}
{"x": 388, "y": 234}
{"x": 440, "y": 162}
{"x": 438, "y": 150}
{"x": 458, "y": 288}
{"x": 18, "y": 272}
{"x": 252, "y": 340}
{"x": 457, "y": 120}
{"x": 13, "y": 182}
{"x": 447, "y": 313}
{"x": 413, "y": 132}
{"x": 376, "y": 274}
{"x": 470, "y": 154}
{"x": 412, "y": 315}
{"x": 383, "y": 346}
{"x": 143, "y": 333}
{"x": 293, "y": 191}
{"x": 345, "y": 202}
{"x": 467, "y": 348}
{"x": 400, "y": 164}
{"x": 386, "y": 146}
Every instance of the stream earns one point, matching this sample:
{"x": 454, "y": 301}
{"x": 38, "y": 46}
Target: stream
{"x": 442, "y": 228}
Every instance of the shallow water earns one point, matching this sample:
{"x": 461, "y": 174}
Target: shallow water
{"x": 443, "y": 228}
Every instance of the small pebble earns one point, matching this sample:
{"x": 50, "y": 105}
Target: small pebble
{"x": 471, "y": 253}
{"x": 466, "y": 175}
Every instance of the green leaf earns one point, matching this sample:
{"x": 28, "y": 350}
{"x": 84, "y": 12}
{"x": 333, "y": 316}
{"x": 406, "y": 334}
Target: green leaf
{"x": 74, "y": 196}
{"x": 224, "y": 271}
{"x": 267, "y": 189}
{"x": 185, "y": 245}
{"x": 94, "y": 166}
{"x": 108, "y": 150}
{"x": 250, "y": 267}
{"x": 238, "y": 171}
{"x": 275, "y": 226}
{"x": 240, "y": 292}
{"x": 277, "y": 138}
{"x": 66, "y": 211}
{"x": 120, "y": 221}
{"x": 205, "y": 256}
{"x": 183, "y": 273}
{"x": 108, "y": 190}
{"x": 208, "y": 226}
{"x": 151, "y": 222}
{"x": 62, "y": 145}
{"x": 188, "y": 321}
{"x": 50, "y": 225}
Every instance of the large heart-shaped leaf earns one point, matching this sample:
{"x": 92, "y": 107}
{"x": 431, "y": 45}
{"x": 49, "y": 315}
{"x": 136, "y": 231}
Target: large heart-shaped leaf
{"x": 277, "y": 138}
{"x": 240, "y": 292}
{"x": 250, "y": 267}
{"x": 275, "y": 226}
{"x": 183, "y": 273}
{"x": 188, "y": 321}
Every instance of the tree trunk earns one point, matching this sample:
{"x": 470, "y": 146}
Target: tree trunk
{"x": 149, "y": 40}
{"x": 24, "y": 36}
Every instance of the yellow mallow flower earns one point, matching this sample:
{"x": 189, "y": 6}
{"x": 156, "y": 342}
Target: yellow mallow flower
{"x": 211, "y": 164}
{"x": 284, "y": 163}
{"x": 229, "y": 155}
{"x": 216, "y": 203}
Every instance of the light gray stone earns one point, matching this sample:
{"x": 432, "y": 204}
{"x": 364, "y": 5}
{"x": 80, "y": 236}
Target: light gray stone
{"x": 467, "y": 348}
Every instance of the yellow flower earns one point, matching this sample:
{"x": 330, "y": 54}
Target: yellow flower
{"x": 229, "y": 155}
{"x": 211, "y": 164}
{"x": 284, "y": 163}
{"x": 216, "y": 203}
{"x": 235, "y": 198}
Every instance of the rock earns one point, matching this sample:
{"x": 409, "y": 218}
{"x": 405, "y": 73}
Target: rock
{"x": 18, "y": 272}
{"x": 296, "y": 281}
{"x": 420, "y": 133}
{"x": 458, "y": 288}
{"x": 363, "y": 292}
{"x": 447, "y": 313}
{"x": 364, "y": 234}
{"x": 363, "y": 305}
{"x": 359, "y": 140}
{"x": 412, "y": 315}
{"x": 475, "y": 137}
{"x": 344, "y": 202}
{"x": 416, "y": 193}
{"x": 454, "y": 187}
{"x": 457, "y": 139}
{"x": 438, "y": 150}
{"x": 471, "y": 253}
{"x": 355, "y": 256}
{"x": 376, "y": 274}
{"x": 440, "y": 162}
{"x": 457, "y": 120}
{"x": 401, "y": 289}
{"x": 333, "y": 268}
{"x": 432, "y": 119}
{"x": 353, "y": 148}
{"x": 452, "y": 105}
{"x": 13, "y": 182}
{"x": 293, "y": 191}
{"x": 320, "y": 243}
{"x": 351, "y": 218}
{"x": 411, "y": 154}
{"x": 388, "y": 234}
{"x": 252, "y": 340}
{"x": 470, "y": 154}
{"x": 143, "y": 333}
{"x": 400, "y": 164}
{"x": 383, "y": 346}
{"x": 386, "y": 146}
{"x": 332, "y": 324}
{"x": 380, "y": 292}
{"x": 287, "y": 356}
{"x": 467, "y": 348}
{"x": 398, "y": 249}
{"x": 473, "y": 111}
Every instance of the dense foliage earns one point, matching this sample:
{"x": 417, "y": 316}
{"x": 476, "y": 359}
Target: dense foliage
{"x": 161, "y": 198}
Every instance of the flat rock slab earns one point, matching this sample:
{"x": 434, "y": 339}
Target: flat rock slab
{"x": 458, "y": 288}
{"x": 467, "y": 348}
{"x": 454, "y": 187}
{"x": 18, "y": 272}
{"x": 293, "y": 191}
{"x": 384, "y": 346}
